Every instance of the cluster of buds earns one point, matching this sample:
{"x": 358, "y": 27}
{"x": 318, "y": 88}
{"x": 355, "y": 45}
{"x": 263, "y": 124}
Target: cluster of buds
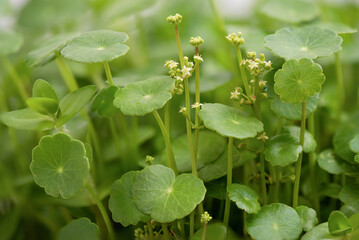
{"x": 235, "y": 39}
{"x": 197, "y": 105}
{"x": 139, "y": 234}
{"x": 205, "y": 218}
{"x": 256, "y": 66}
{"x": 149, "y": 160}
{"x": 176, "y": 19}
{"x": 179, "y": 74}
{"x": 196, "y": 41}
{"x": 263, "y": 137}
{"x": 238, "y": 94}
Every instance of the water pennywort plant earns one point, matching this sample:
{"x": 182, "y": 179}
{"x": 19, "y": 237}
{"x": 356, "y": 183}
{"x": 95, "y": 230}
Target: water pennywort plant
{"x": 142, "y": 143}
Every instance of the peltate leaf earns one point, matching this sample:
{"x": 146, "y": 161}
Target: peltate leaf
{"x": 78, "y": 229}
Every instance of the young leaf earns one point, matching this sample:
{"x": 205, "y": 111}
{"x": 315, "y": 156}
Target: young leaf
{"x": 121, "y": 202}
{"x": 96, "y": 46}
{"x": 244, "y": 197}
{"x": 282, "y": 150}
{"x": 43, "y": 89}
{"x": 354, "y": 221}
{"x": 73, "y": 102}
{"x": 354, "y": 144}
{"x": 273, "y": 222}
{"x": 229, "y": 122}
{"x": 290, "y": 11}
{"x": 141, "y": 98}
{"x": 320, "y": 232}
{"x": 298, "y": 80}
{"x": 27, "y": 119}
{"x": 294, "y": 111}
{"x": 157, "y": 192}
{"x": 10, "y": 42}
{"x": 306, "y": 42}
{"x": 103, "y": 102}
{"x": 308, "y": 217}
{"x": 47, "y": 106}
{"x": 338, "y": 224}
{"x": 46, "y": 50}
{"x": 59, "y": 165}
{"x": 309, "y": 142}
{"x": 81, "y": 228}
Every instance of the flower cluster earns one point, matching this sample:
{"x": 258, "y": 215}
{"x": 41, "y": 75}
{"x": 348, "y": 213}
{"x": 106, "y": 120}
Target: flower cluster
{"x": 196, "y": 41}
{"x": 176, "y": 19}
{"x": 235, "y": 39}
{"x": 256, "y": 66}
{"x": 205, "y": 218}
{"x": 238, "y": 94}
{"x": 149, "y": 159}
{"x": 179, "y": 74}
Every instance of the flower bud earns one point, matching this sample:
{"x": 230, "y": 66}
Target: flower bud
{"x": 196, "y": 41}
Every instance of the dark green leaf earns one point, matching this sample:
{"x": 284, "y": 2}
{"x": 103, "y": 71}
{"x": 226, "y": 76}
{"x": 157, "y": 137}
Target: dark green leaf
{"x": 80, "y": 229}
{"x": 47, "y": 106}
{"x": 244, "y": 197}
{"x": 103, "y": 102}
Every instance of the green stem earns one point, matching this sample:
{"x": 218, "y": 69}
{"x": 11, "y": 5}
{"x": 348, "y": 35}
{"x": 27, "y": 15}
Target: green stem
{"x": 243, "y": 73}
{"x": 170, "y": 155}
{"x": 108, "y": 73}
{"x": 340, "y": 85}
{"x": 191, "y": 225}
{"x": 165, "y": 231}
{"x": 167, "y": 116}
{"x": 66, "y": 73}
{"x": 102, "y": 209}
{"x": 198, "y": 100}
{"x": 263, "y": 180}
{"x": 150, "y": 230}
{"x": 204, "y": 231}
{"x": 178, "y": 41}
{"x": 298, "y": 165}
{"x": 229, "y": 181}
{"x": 16, "y": 79}
{"x": 115, "y": 135}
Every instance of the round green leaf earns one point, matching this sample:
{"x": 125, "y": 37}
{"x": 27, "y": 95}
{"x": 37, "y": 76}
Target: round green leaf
{"x": 10, "y": 42}
{"x": 96, "y": 46}
{"x": 354, "y": 144}
{"x": 46, "y": 50}
{"x": 308, "y": 217}
{"x": 273, "y": 222}
{"x": 298, "y": 80}
{"x": 47, "y": 106}
{"x": 354, "y": 221}
{"x": 338, "y": 224}
{"x": 43, "y": 89}
{"x": 337, "y": 27}
{"x": 157, "y": 192}
{"x": 144, "y": 97}
{"x": 282, "y": 150}
{"x": 349, "y": 194}
{"x": 290, "y": 11}
{"x": 294, "y": 111}
{"x": 121, "y": 202}
{"x": 306, "y": 42}
{"x": 309, "y": 142}
{"x": 229, "y": 122}
{"x": 103, "y": 102}
{"x": 80, "y": 229}
{"x": 329, "y": 162}
{"x": 244, "y": 197}
{"x": 59, "y": 165}
{"x": 73, "y": 102}
{"x": 27, "y": 119}
{"x": 216, "y": 231}
{"x": 320, "y": 232}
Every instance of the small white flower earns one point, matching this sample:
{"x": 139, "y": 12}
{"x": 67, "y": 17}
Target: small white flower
{"x": 186, "y": 72}
{"x": 235, "y": 94}
{"x": 172, "y": 65}
{"x": 182, "y": 110}
{"x": 253, "y": 65}
{"x": 262, "y": 83}
{"x": 268, "y": 64}
{"x": 196, "y": 105}
{"x": 198, "y": 59}
{"x": 178, "y": 78}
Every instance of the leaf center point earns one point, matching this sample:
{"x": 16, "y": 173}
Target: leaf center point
{"x": 169, "y": 190}
{"x": 304, "y": 49}
{"x": 60, "y": 170}
{"x": 100, "y": 48}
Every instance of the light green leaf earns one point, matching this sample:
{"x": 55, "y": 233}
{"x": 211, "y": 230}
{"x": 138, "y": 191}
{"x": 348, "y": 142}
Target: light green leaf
{"x": 80, "y": 229}
{"x": 121, "y": 202}
{"x": 229, "y": 122}
{"x": 354, "y": 144}
{"x": 338, "y": 224}
{"x": 337, "y": 27}
{"x": 354, "y": 221}
{"x": 305, "y": 42}
{"x": 10, "y": 42}
{"x": 282, "y": 150}
{"x": 73, "y": 102}
{"x": 294, "y": 111}
{"x": 144, "y": 97}
{"x": 27, "y": 119}
{"x": 96, "y": 46}
{"x": 349, "y": 194}
{"x": 329, "y": 162}
{"x": 216, "y": 231}
{"x": 298, "y": 80}
{"x": 320, "y": 232}
{"x": 290, "y": 11}
{"x": 103, "y": 102}
{"x": 309, "y": 142}
{"x": 59, "y": 165}
{"x": 244, "y": 197}
{"x": 308, "y": 217}
{"x": 47, "y": 106}
{"x": 273, "y": 222}
{"x": 157, "y": 192}
{"x": 46, "y": 49}
{"x": 43, "y": 89}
